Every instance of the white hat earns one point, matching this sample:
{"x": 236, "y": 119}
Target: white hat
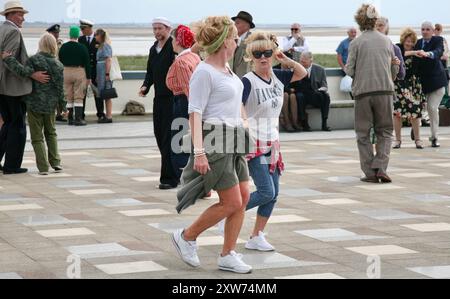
{"x": 162, "y": 20}
{"x": 13, "y": 6}
{"x": 86, "y": 23}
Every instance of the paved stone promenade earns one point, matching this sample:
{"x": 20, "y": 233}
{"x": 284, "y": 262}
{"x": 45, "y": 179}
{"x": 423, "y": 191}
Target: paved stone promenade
{"x": 106, "y": 209}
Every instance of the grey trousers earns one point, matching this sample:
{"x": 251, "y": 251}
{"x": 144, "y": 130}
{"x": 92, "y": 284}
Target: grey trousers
{"x": 434, "y": 99}
{"x": 374, "y": 112}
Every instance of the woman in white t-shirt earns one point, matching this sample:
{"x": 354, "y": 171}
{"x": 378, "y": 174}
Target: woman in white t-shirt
{"x": 263, "y": 101}
{"x": 215, "y": 101}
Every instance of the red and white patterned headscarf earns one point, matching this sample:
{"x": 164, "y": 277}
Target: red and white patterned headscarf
{"x": 185, "y": 37}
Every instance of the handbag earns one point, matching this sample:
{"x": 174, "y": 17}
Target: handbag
{"x": 108, "y": 92}
{"x": 115, "y": 73}
{"x": 346, "y": 84}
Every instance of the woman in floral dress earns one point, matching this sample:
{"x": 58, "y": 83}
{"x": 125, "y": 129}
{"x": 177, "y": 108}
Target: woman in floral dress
{"x": 410, "y": 99}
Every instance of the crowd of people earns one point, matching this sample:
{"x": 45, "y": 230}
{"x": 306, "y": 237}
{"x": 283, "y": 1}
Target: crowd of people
{"x": 48, "y": 86}
{"x": 229, "y": 85}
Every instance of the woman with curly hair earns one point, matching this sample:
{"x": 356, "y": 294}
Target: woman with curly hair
{"x": 410, "y": 99}
{"x": 373, "y": 66}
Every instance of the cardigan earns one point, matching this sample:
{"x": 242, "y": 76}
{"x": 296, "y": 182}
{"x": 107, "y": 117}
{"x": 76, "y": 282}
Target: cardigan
{"x": 157, "y": 68}
{"x": 370, "y": 65}
{"x": 181, "y": 71}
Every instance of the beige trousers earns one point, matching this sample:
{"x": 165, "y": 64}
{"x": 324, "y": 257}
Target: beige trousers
{"x": 75, "y": 86}
{"x": 374, "y": 112}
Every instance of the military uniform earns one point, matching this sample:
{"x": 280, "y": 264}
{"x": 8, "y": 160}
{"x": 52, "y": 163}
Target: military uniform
{"x": 92, "y": 45}
{"x": 55, "y": 30}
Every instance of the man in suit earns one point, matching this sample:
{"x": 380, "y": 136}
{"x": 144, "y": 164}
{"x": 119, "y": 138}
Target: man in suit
{"x": 88, "y": 39}
{"x": 243, "y": 22}
{"x": 313, "y": 90}
{"x": 432, "y": 75}
{"x": 13, "y": 133}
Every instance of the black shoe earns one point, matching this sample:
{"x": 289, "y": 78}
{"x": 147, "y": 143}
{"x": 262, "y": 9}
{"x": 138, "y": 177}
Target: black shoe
{"x": 61, "y": 119}
{"x": 413, "y": 136}
{"x": 80, "y": 123}
{"x": 79, "y": 117}
{"x": 15, "y": 171}
{"x": 58, "y": 169}
{"x": 435, "y": 143}
{"x": 326, "y": 129}
{"x": 70, "y": 116}
{"x": 384, "y": 178}
{"x": 105, "y": 120}
{"x": 1, "y": 167}
{"x": 166, "y": 187}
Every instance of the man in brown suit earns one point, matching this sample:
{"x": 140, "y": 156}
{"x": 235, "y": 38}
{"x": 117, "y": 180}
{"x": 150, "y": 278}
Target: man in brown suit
{"x": 243, "y": 22}
{"x": 12, "y": 88}
{"x": 372, "y": 64}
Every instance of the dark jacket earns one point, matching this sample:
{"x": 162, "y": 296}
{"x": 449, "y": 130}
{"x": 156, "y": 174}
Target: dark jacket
{"x": 157, "y": 68}
{"x": 92, "y": 49}
{"x": 44, "y": 97}
{"x": 431, "y": 70}
{"x": 317, "y": 80}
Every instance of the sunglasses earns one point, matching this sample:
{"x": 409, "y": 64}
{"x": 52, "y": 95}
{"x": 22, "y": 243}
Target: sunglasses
{"x": 260, "y": 54}
{"x": 295, "y": 29}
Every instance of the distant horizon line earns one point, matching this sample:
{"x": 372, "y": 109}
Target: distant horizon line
{"x": 262, "y": 25}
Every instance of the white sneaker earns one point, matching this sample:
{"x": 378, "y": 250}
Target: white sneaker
{"x": 221, "y": 227}
{"x": 233, "y": 263}
{"x": 259, "y": 243}
{"x": 186, "y": 249}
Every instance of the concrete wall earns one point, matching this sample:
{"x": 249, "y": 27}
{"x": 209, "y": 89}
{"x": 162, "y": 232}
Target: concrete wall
{"x": 341, "y": 114}
{"x": 128, "y": 90}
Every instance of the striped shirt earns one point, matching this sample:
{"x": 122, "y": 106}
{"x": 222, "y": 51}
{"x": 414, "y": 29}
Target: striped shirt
{"x": 180, "y": 72}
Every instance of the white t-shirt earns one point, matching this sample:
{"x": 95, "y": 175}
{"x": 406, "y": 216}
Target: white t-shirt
{"x": 263, "y": 102}
{"x": 215, "y": 95}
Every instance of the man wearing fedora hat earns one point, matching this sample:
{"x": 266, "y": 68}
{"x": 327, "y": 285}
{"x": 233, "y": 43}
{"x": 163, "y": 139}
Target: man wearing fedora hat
{"x": 243, "y": 22}
{"x": 12, "y": 88}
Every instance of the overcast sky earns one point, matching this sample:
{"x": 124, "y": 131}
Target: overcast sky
{"x": 315, "y": 12}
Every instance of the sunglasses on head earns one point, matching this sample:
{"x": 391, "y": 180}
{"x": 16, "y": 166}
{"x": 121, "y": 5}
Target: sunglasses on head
{"x": 260, "y": 54}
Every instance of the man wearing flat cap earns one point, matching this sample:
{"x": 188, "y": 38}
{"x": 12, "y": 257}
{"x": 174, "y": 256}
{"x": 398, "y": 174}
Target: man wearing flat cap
{"x": 243, "y": 22}
{"x": 12, "y": 88}
{"x": 160, "y": 60}
{"x": 88, "y": 39}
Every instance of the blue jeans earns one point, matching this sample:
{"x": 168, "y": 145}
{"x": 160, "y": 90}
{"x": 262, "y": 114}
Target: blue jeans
{"x": 267, "y": 186}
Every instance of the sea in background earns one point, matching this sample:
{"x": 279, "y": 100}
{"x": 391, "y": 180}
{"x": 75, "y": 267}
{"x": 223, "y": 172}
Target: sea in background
{"x": 130, "y": 41}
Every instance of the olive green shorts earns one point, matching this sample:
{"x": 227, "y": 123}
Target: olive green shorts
{"x": 235, "y": 172}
